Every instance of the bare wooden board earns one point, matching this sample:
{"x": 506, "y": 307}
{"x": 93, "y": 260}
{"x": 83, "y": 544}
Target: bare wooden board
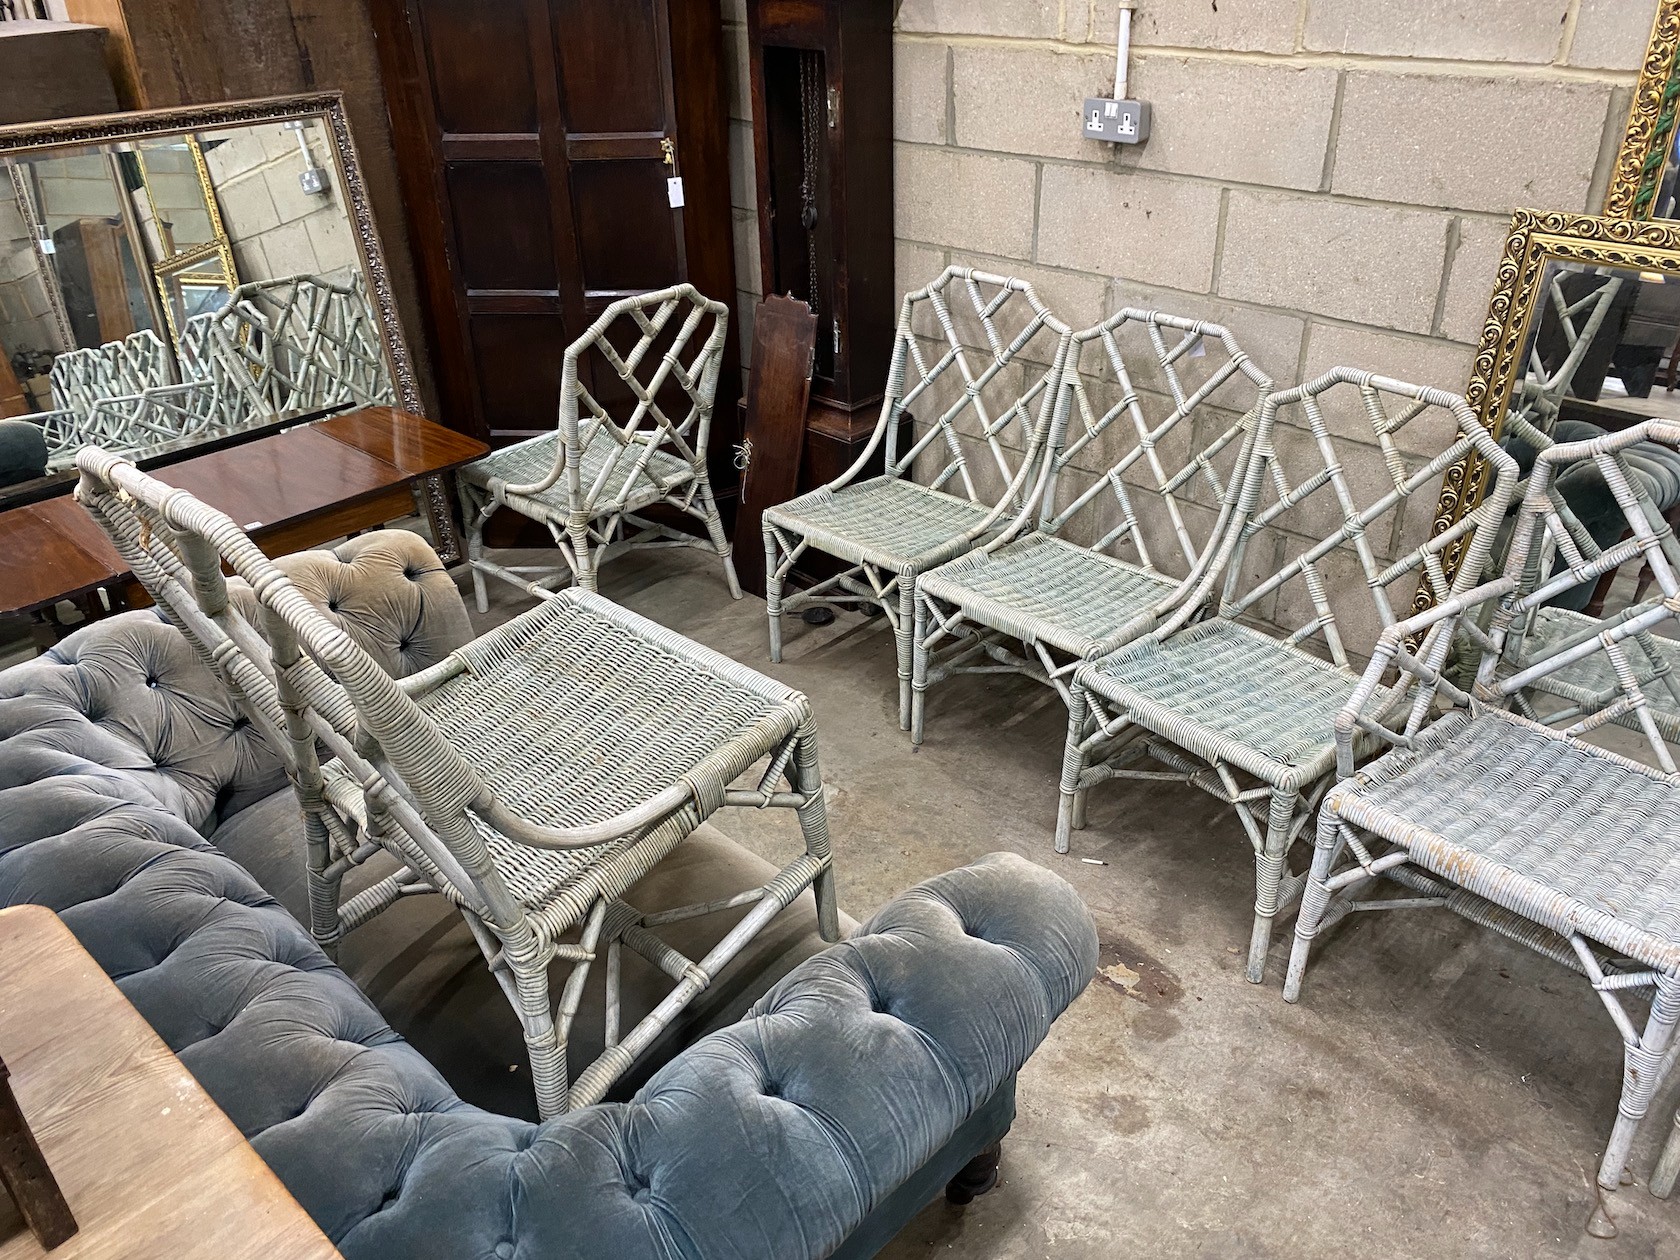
{"x": 778, "y": 393}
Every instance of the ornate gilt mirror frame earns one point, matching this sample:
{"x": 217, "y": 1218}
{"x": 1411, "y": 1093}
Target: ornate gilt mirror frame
{"x": 1621, "y": 237}
{"x": 40, "y": 139}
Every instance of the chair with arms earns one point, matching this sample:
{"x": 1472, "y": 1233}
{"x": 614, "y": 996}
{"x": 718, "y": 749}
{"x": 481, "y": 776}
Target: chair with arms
{"x": 530, "y": 777}
{"x": 975, "y": 378}
{"x": 1234, "y": 703}
{"x": 1143, "y": 473}
{"x": 621, "y": 447}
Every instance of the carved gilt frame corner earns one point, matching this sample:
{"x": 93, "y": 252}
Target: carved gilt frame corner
{"x": 1638, "y": 172}
{"x": 1537, "y": 237}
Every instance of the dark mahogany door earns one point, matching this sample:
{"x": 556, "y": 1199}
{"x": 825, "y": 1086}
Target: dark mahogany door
{"x": 537, "y": 139}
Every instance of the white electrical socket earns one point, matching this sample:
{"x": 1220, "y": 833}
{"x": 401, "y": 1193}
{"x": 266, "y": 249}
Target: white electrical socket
{"x": 1118, "y": 122}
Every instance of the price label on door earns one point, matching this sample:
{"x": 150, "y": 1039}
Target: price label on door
{"x": 675, "y": 189}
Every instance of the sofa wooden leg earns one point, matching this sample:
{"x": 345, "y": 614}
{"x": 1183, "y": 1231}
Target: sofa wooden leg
{"x": 978, "y": 1176}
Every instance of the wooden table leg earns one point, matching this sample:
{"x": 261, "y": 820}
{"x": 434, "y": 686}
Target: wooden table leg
{"x": 25, "y": 1175}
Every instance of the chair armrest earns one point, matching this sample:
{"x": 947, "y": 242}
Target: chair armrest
{"x": 1371, "y": 708}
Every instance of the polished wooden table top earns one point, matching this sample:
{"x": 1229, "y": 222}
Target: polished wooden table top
{"x": 150, "y": 1166}
{"x": 53, "y": 550}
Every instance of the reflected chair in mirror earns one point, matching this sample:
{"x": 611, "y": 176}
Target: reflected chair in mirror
{"x": 1242, "y": 703}
{"x": 975, "y": 379}
{"x": 636, "y": 400}
{"x": 531, "y": 777}
{"x": 1581, "y": 316}
{"x": 1542, "y": 835}
{"x": 299, "y": 344}
{"x": 1133, "y": 509}
{"x": 81, "y": 378}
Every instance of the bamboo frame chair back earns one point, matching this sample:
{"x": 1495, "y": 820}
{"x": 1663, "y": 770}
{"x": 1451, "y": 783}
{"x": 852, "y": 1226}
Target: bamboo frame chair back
{"x": 1338, "y": 459}
{"x": 304, "y": 680}
{"x": 1547, "y": 532}
{"x": 1541, "y": 391}
{"x": 304, "y": 343}
{"x": 1165, "y": 500}
{"x": 977, "y": 367}
{"x": 626, "y": 435}
{"x": 82, "y": 378}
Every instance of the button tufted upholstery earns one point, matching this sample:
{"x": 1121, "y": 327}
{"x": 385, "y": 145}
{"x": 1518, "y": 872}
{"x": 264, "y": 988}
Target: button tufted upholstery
{"x": 774, "y": 1137}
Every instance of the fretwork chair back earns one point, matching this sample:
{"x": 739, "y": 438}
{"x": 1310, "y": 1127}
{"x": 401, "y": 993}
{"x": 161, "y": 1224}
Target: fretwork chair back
{"x": 1543, "y": 835}
{"x": 970, "y": 398}
{"x": 1144, "y": 467}
{"x": 298, "y": 344}
{"x": 1570, "y": 325}
{"x": 636, "y": 399}
{"x": 1332, "y": 540}
{"x": 81, "y": 378}
{"x": 531, "y": 777}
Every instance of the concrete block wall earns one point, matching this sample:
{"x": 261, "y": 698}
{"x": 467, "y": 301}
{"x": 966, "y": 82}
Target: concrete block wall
{"x": 1332, "y": 179}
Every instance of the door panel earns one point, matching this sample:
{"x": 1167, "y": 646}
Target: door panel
{"x": 623, "y": 215}
{"x": 473, "y": 96}
{"x": 503, "y": 235}
{"x": 520, "y": 360}
{"x": 610, "y": 55}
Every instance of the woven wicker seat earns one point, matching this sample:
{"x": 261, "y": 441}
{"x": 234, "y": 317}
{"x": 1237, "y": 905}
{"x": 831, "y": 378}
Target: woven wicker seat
{"x": 1590, "y": 683}
{"x": 1549, "y": 840}
{"x": 1336, "y": 460}
{"x": 962, "y": 438}
{"x": 1131, "y": 511}
{"x": 621, "y": 446}
{"x": 531, "y": 777}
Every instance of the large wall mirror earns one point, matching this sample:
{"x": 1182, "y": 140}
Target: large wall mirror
{"x": 181, "y": 277}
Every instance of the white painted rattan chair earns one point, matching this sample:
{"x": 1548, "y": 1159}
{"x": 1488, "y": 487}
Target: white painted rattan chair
{"x": 621, "y": 446}
{"x": 1549, "y": 840}
{"x": 81, "y": 378}
{"x": 1135, "y": 505}
{"x": 975, "y": 379}
{"x": 531, "y": 777}
{"x": 1326, "y": 547}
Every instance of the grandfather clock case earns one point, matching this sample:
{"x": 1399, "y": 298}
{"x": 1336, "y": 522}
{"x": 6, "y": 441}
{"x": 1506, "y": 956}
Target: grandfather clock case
{"x": 822, "y": 141}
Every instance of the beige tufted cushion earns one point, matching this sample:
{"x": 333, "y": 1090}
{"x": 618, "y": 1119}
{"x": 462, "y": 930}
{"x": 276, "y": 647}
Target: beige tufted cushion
{"x": 387, "y": 590}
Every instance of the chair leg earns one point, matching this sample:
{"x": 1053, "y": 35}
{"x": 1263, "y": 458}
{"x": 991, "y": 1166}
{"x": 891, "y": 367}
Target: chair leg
{"x": 1315, "y": 900}
{"x": 324, "y": 890}
{"x": 714, "y": 527}
{"x": 919, "y": 671}
{"x": 1070, "y": 811}
{"x": 585, "y": 570}
{"x": 476, "y": 515}
{"x": 905, "y": 634}
{"x": 773, "y": 596}
{"x": 1641, "y": 1064}
{"x": 1268, "y": 874}
{"x": 542, "y": 1038}
{"x": 813, "y": 823}
{"x": 1668, "y": 1167}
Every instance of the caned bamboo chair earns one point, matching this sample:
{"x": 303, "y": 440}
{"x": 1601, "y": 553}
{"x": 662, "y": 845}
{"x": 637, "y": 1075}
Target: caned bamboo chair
{"x": 621, "y": 446}
{"x": 1551, "y": 841}
{"x": 1144, "y": 465}
{"x": 1331, "y": 542}
{"x": 975, "y": 379}
{"x": 81, "y": 378}
{"x": 531, "y": 777}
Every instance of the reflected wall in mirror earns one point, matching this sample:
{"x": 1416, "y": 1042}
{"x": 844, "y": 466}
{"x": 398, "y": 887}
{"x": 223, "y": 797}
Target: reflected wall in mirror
{"x": 1580, "y": 344}
{"x": 184, "y": 276}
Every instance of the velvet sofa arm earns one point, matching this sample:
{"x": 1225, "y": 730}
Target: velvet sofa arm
{"x": 776, "y": 1137}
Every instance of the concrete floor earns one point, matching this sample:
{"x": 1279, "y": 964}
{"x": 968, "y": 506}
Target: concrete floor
{"x": 1437, "y": 1092}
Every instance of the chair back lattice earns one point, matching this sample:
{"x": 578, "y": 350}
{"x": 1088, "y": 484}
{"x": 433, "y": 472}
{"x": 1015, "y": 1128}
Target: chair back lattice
{"x": 1336, "y": 532}
{"x": 1148, "y": 457}
{"x": 1547, "y": 557}
{"x": 296, "y": 344}
{"x": 972, "y": 390}
{"x": 1541, "y": 391}
{"x": 81, "y": 378}
{"x": 304, "y": 680}
{"x": 653, "y": 393}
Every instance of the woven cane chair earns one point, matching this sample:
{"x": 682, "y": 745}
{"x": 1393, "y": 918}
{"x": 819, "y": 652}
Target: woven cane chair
{"x": 621, "y": 447}
{"x": 975, "y": 379}
{"x": 1131, "y": 512}
{"x": 1541, "y": 391}
{"x": 1536, "y": 833}
{"x": 81, "y": 378}
{"x": 1326, "y": 546}
{"x": 531, "y": 777}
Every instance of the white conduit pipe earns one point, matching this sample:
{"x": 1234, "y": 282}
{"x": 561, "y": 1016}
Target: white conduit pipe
{"x": 1123, "y": 49}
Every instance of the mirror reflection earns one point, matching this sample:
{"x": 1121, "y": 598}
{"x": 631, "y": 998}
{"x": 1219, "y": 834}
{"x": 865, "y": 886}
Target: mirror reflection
{"x": 163, "y": 291}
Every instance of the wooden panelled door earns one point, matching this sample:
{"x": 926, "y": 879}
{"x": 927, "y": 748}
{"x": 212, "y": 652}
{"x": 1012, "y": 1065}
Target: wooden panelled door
{"x": 536, "y": 139}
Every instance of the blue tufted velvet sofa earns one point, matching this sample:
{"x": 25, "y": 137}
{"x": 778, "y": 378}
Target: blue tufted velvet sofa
{"x": 854, "y": 1087}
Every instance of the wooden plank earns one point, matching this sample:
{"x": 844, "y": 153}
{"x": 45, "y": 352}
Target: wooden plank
{"x": 778, "y": 393}
{"x": 13, "y": 402}
{"x": 149, "y": 1164}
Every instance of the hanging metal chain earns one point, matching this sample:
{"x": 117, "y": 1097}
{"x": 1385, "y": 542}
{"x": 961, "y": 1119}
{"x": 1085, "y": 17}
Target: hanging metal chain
{"x": 811, "y": 97}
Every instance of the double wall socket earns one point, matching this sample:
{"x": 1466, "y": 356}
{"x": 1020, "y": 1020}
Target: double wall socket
{"x": 1118, "y": 122}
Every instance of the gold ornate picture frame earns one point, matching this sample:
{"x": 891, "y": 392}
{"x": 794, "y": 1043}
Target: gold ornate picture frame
{"x": 1650, "y": 129}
